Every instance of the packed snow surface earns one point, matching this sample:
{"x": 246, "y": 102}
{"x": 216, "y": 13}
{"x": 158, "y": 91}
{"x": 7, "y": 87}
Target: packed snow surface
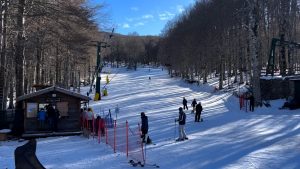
{"x": 267, "y": 138}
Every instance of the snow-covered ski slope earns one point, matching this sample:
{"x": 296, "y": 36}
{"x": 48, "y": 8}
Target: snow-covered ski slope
{"x": 268, "y": 138}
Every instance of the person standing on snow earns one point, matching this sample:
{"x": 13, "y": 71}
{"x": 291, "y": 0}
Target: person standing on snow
{"x": 198, "y": 112}
{"x": 144, "y": 128}
{"x": 251, "y": 98}
{"x": 194, "y": 103}
{"x": 117, "y": 110}
{"x": 51, "y": 115}
{"x": 55, "y": 119}
{"x": 90, "y": 116}
{"x": 181, "y": 120}
{"x": 184, "y": 102}
{"x": 99, "y": 126}
{"x": 41, "y": 118}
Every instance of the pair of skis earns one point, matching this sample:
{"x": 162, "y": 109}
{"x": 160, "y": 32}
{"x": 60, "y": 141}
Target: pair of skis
{"x": 139, "y": 164}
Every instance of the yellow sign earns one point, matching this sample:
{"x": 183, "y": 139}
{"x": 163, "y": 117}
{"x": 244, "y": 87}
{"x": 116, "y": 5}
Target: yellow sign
{"x": 107, "y": 79}
{"x": 97, "y": 97}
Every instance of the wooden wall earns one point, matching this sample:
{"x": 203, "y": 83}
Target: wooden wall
{"x": 71, "y": 122}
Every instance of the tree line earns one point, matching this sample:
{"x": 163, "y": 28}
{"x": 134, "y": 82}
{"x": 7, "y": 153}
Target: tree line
{"x": 43, "y": 42}
{"x": 49, "y": 42}
{"x": 133, "y": 49}
{"x": 225, "y": 38}
{"x": 232, "y": 38}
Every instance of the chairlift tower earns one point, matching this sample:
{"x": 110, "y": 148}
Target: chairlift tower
{"x": 100, "y": 45}
{"x": 99, "y": 68}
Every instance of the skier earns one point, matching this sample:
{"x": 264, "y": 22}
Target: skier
{"x": 198, "y": 112}
{"x": 117, "y": 110}
{"x": 144, "y": 128}
{"x": 194, "y": 103}
{"x": 181, "y": 120}
{"x": 184, "y": 102}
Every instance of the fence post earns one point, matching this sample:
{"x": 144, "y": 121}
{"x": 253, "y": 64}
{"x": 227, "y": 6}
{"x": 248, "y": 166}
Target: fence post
{"x": 106, "y": 134}
{"x": 241, "y": 105}
{"x": 93, "y": 127}
{"x": 99, "y": 132}
{"x": 127, "y": 143}
{"x": 115, "y": 128}
{"x": 246, "y": 105}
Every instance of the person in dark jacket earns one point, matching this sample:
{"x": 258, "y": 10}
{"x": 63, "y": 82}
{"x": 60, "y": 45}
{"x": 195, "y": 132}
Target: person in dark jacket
{"x": 181, "y": 120}
{"x": 144, "y": 127}
{"x": 55, "y": 119}
{"x": 51, "y": 114}
{"x": 194, "y": 103}
{"x": 184, "y": 102}
{"x": 198, "y": 112}
{"x": 251, "y": 99}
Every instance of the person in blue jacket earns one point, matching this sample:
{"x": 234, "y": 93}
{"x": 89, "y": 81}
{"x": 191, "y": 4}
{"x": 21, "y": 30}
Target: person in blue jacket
{"x": 41, "y": 118}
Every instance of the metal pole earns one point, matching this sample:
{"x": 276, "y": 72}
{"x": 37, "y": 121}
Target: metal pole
{"x": 98, "y": 72}
{"x": 78, "y": 90}
{"x": 127, "y": 140}
{"x": 175, "y": 130}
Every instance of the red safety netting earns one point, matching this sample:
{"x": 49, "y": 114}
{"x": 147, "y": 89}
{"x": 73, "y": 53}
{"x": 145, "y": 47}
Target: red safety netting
{"x": 243, "y": 103}
{"x": 135, "y": 145}
{"x": 120, "y": 136}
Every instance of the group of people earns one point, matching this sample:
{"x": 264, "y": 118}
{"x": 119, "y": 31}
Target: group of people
{"x": 48, "y": 113}
{"x": 182, "y": 117}
{"x": 247, "y": 96}
{"x": 197, "y": 107}
{"x": 92, "y": 122}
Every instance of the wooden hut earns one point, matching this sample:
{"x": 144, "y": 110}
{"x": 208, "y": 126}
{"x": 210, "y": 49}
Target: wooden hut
{"x": 295, "y": 88}
{"x": 67, "y": 102}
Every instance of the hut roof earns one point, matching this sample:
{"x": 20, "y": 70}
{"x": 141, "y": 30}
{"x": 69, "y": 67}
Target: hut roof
{"x": 51, "y": 89}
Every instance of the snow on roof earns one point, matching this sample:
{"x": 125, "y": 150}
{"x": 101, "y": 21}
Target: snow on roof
{"x": 5, "y": 131}
{"x": 50, "y": 89}
{"x": 270, "y": 77}
{"x": 292, "y": 77}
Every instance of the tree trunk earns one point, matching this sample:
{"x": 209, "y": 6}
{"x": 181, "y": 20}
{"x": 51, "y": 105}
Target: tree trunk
{"x": 57, "y": 67}
{"x": 38, "y": 62}
{"x": 3, "y": 56}
{"x": 221, "y": 74}
{"x": 19, "y": 49}
{"x": 254, "y": 46}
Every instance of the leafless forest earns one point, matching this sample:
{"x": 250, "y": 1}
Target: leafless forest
{"x": 50, "y": 42}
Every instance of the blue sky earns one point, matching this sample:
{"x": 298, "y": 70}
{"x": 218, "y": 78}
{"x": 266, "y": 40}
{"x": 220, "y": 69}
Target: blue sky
{"x": 146, "y": 17}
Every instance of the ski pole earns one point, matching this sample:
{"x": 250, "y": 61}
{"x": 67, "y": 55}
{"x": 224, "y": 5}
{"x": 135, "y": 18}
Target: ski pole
{"x": 145, "y": 154}
{"x": 175, "y": 129}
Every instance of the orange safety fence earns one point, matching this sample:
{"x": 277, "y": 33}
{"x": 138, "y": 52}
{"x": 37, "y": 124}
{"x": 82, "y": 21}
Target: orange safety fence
{"x": 120, "y": 136}
{"x": 135, "y": 145}
{"x": 243, "y": 103}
